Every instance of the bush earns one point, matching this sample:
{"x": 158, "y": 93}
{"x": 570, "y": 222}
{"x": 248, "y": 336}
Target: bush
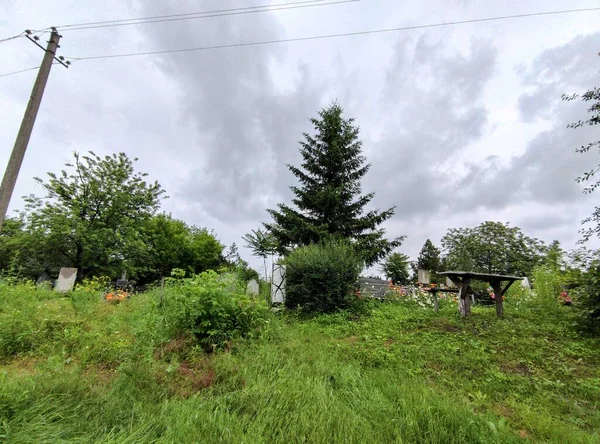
{"x": 321, "y": 278}
{"x": 547, "y": 285}
{"x": 588, "y": 298}
{"x": 214, "y": 310}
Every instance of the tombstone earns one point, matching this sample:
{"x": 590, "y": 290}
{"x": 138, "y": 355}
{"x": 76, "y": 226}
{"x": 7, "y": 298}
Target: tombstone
{"x": 278, "y": 284}
{"x": 66, "y": 279}
{"x": 252, "y": 288}
{"x": 525, "y": 284}
{"x": 423, "y": 276}
{"x": 449, "y": 283}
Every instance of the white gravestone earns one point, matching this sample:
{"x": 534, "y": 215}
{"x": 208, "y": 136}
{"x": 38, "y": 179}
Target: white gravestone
{"x": 66, "y": 279}
{"x": 525, "y": 284}
{"x": 423, "y": 276}
{"x": 252, "y": 288}
{"x": 278, "y": 284}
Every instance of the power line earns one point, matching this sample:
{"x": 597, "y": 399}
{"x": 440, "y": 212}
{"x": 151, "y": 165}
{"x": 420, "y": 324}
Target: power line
{"x": 22, "y": 70}
{"x": 13, "y": 37}
{"x": 184, "y": 14}
{"x": 328, "y": 36}
{"x": 205, "y": 14}
{"x": 18, "y": 72}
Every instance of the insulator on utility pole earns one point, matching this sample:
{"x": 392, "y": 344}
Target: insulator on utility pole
{"x": 18, "y": 153}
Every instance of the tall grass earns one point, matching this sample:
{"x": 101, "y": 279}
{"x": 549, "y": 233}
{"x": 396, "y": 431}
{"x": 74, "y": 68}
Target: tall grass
{"x": 79, "y": 370}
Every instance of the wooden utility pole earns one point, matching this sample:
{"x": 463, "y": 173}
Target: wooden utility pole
{"x": 18, "y": 152}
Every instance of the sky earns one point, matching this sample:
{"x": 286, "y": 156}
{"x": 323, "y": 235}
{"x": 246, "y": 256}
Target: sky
{"x": 462, "y": 124}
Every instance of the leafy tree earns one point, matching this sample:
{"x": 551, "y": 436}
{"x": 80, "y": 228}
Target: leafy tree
{"x": 328, "y": 199}
{"x": 395, "y": 267}
{"x": 262, "y": 244}
{"x": 173, "y": 244}
{"x": 18, "y": 249}
{"x": 492, "y": 247}
{"x": 90, "y": 217}
{"x": 593, "y": 96}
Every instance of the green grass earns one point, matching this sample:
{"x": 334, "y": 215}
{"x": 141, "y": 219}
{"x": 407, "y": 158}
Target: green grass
{"x": 79, "y": 370}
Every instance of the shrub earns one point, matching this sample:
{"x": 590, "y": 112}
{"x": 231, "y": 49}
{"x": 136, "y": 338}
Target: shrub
{"x": 547, "y": 286}
{"x": 213, "y": 310}
{"x": 588, "y": 298}
{"x": 321, "y": 278}
{"x": 519, "y": 297}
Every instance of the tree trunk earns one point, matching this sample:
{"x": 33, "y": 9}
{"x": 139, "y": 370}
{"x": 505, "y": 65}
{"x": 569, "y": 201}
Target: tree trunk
{"x": 497, "y": 286}
{"x": 464, "y": 301}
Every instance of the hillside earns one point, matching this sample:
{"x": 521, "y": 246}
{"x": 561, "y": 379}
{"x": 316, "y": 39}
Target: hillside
{"x": 78, "y": 369}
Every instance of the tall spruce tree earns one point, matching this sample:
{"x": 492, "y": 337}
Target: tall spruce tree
{"x": 329, "y": 200}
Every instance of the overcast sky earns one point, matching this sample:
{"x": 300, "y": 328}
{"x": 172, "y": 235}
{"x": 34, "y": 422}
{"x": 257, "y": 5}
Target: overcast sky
{"x": 462, "y": 124}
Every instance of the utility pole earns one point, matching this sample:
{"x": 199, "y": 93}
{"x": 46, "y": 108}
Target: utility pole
{"x": 18, "y": 152}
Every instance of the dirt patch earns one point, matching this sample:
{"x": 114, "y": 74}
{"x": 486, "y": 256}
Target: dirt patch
{"x": 436, "y": 366}
{"x": 23, "y": 367}
{"x": 351, "y": 339}
{"x": 443, "y": 325}
{"x": 515, "y": 368}
{"x": 389, "y": 342}
{"x": 190, "y": 378}
{"x": 178, "y": 347}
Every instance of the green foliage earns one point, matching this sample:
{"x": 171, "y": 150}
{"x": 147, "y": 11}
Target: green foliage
{"x": 244, "y": 272}
{"x": 395, "y": 267}
{"x": 554, "y": 256}
{"x": 87, "y": 371}
{"x": 321, "y": 277}
{"x": 588, "y": 298}
{"x": 90, "y": 217}
{"x": 593, "y": 96}
{"x": 214, "y": 310}
{"x": 491, "y": 247}
{"x": 328, "y": 200}
{"x": 262, "y": 244}
{"x": 94, "y": 284}
{"x": 99, "y": 217}
{"x": 174, "y": 244}
{"x": 429, "y": 257}
{"x": 547, "y": 285}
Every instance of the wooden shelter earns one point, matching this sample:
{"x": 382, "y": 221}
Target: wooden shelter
{"x": 462, "y": 280}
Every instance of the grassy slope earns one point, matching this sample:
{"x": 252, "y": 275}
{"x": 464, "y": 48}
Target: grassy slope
{"x": 87, "y": 371}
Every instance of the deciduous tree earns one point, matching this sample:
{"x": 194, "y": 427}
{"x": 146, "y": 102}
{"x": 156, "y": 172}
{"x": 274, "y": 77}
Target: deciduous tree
{"x": 395, "y": 267}
{"x": 492, "y": 247}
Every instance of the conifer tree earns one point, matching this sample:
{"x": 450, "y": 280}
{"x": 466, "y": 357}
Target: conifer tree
{"x": 328, "y": 200}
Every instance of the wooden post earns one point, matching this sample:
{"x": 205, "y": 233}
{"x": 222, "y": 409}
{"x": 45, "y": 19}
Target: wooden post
{"x": 497, "y": 286}
{"x": 464, "y": 302}
{"x": 18, "y": 153}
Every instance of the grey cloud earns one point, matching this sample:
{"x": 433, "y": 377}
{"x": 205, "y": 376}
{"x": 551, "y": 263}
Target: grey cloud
{"x": 546, "y": 221}
{"x": 433, "y": 97}
{"x": 562, "y": 70}
{"x": 546, "y": 171}
{"x": 246, "y": 128}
